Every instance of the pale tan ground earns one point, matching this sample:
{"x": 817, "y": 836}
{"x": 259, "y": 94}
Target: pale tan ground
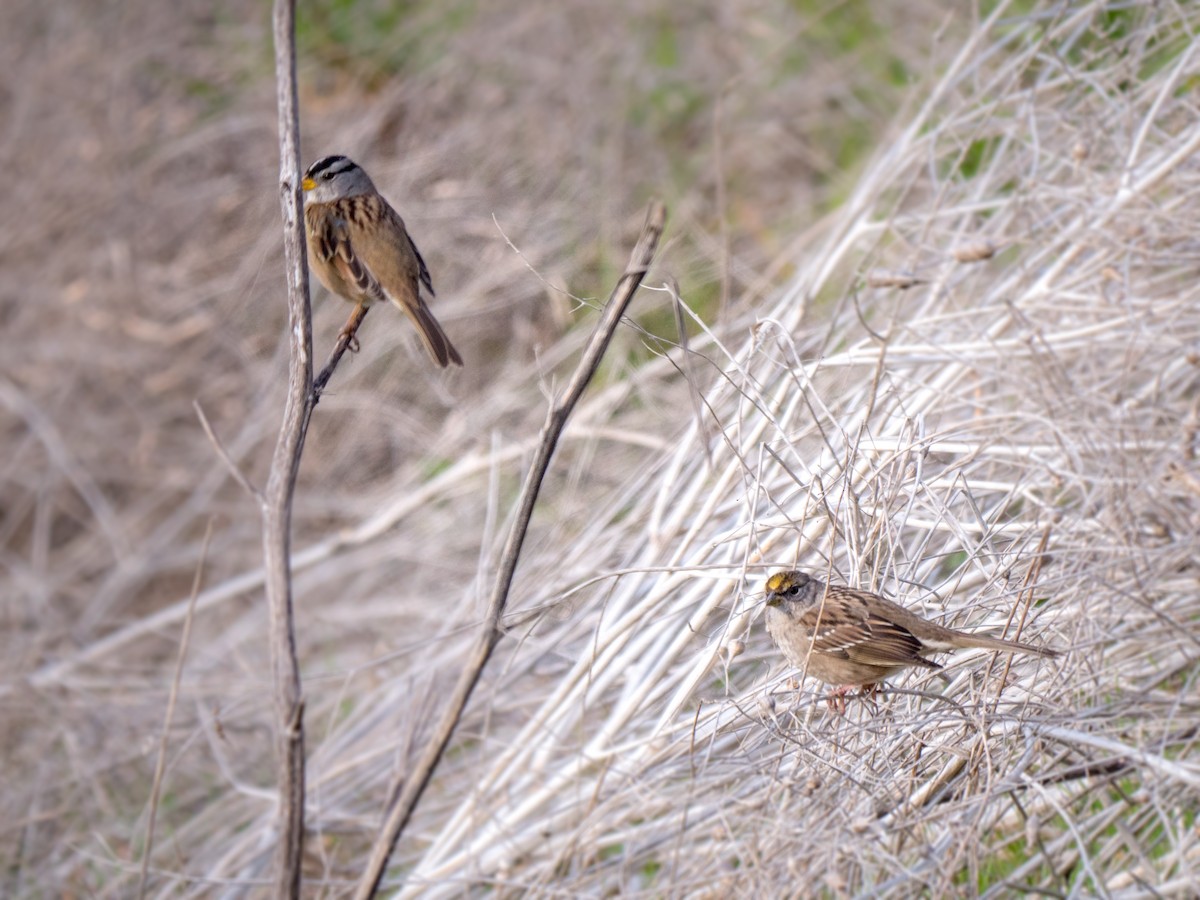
{"x": 925, "y": 439}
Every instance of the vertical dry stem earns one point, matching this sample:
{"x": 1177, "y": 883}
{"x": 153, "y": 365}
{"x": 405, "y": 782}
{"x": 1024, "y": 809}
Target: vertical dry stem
{"x": 281, "y": 483}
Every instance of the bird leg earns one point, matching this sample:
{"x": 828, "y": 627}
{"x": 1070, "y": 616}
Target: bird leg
{"x": 345, "y": 341}
{"x": 837, "y": 697}
{"x": 349, "y": 332}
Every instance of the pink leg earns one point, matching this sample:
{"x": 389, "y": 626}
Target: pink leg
{"x": 837, "y": 697}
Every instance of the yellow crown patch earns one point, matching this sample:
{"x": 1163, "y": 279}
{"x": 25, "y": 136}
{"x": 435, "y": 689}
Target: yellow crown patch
{"x": 778, "y": 582}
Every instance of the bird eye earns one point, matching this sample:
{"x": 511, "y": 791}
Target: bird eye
{"x": 327, "y": 176}
{"x": 793, "y": 590}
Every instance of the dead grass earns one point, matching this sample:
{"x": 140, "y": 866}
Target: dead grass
{"x": 920, "y": 441}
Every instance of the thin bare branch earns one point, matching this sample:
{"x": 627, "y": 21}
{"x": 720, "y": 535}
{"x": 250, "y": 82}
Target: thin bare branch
{"x": 346, "y": 340}
{"x": 160, "y": 764}
{"x": 687, "y": 367}
{"x": 281, "y": 482}
{"x": 238, "y": 475}
{"x": 415, "y": 782}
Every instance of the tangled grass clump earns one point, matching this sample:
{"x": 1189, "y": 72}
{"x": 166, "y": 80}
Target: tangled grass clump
{"x": 1010, "y": 440}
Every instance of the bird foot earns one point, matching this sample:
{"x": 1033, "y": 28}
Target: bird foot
{"x": 837, "y": 697}
{"x": 836, "y": 700}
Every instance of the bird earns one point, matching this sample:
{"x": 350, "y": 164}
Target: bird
{"x": 848, "y": 637}
{"x": 360, "y": 250}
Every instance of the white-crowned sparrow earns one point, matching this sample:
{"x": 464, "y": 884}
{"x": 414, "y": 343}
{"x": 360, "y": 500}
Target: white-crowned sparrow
{"x": 847, "y": 637}
{"x": 359, "y": 248}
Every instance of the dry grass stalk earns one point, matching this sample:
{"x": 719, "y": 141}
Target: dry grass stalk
{"x": 279, "y": 493}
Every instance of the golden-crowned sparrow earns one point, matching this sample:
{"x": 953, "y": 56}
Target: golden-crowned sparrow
{"x": 359, "y": 248}
{"x": 848, "y": 637}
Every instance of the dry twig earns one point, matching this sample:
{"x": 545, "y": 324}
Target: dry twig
{"x": 281, "y": 482}
{"x": 414, "y": 783}
{"x": 160, "y": 764}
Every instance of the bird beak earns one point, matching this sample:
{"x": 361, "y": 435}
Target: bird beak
{"x": 773, "y": 599}
{"x": 308, "y": 184}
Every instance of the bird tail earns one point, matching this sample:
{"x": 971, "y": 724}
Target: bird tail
{"x": 432, "y": 336}
{"x": 990, "y": 643}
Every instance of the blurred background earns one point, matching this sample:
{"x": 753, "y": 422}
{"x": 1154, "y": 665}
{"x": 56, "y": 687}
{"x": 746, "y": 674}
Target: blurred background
{"x": 141, "y": 273}
{"x": 142, "y": 267}
{"x": 141, "y": 277}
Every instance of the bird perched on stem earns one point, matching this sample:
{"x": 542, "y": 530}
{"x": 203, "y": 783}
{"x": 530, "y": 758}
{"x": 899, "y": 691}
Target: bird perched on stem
{"x": 359, "y": 248}
{"x": 848, "y": 637}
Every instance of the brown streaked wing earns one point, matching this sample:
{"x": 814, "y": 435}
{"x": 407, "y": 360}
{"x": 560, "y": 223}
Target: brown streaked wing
{"x": 385, "y": 210}
{"x": 834, "y": 635}
{"x": 889, "y": 645}
{"x": 383, "y": 258}
{"x": 422, "y": 271}
{"x": 425, "y": 279}
{"x": 853, "y": 633}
